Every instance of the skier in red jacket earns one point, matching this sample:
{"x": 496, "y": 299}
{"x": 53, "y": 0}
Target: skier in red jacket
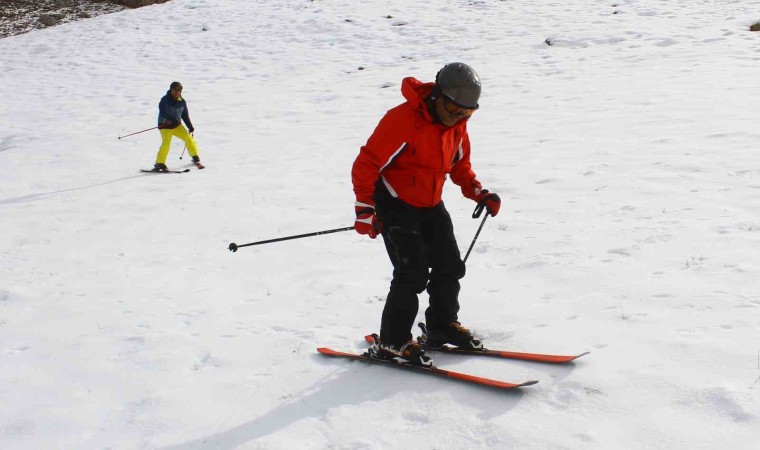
{"x": 398, "y": 180}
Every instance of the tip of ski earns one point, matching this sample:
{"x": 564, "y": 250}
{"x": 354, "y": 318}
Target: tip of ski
{"x": 331, "y": 352}
{"x": 523, "y": 356}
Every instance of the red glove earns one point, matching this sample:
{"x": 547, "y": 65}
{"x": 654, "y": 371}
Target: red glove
{"x": 485, "y": 199}
{"x": 491, "y": 201}
{"x": 366, "y": 220}
{"x": 472, "y": 190}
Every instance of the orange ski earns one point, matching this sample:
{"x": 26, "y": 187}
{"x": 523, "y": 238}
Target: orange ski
{"x": 427, "y": 369}
{"x": 535, "y": 357}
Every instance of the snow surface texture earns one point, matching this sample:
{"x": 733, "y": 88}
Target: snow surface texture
{"x": 625, "y": 154}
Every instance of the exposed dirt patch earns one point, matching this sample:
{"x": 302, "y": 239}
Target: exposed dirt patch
{"x": 21, "y": 16}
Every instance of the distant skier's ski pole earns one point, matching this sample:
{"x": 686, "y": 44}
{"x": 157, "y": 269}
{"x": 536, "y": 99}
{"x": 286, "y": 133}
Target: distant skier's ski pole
{"x": 233, "y": 246}
{"x": 138, "y": 132}
{"x": 183, "y": 151}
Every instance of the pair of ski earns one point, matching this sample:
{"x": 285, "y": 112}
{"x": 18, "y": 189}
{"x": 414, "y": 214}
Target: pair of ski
{"x": 432, "y": 370}
{"x": 198, "y": 165}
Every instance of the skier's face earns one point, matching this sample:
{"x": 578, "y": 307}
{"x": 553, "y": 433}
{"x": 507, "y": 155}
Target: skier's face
{"x": 449, "y": 112}
{"x": 176, "y": 91}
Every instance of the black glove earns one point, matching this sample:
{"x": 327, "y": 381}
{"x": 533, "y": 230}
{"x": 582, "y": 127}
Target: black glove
{"x": 191, "y": 129}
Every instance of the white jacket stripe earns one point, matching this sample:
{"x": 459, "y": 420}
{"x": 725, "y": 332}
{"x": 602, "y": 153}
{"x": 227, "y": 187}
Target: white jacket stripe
{"x": 393, "y": 156}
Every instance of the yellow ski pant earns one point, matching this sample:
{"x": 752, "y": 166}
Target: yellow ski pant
{"x": 166, "y": 141}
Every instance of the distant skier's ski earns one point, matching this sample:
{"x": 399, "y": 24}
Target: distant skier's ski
{"x": 432, "y": 370}
{"x": 535, "y": 357}
{"x": 164, "y": 171}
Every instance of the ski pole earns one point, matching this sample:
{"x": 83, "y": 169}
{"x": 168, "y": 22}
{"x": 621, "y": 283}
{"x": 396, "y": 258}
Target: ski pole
{"x": 143, "y": 131}
{"x": 475, "y": 238}
{"x": 233, "y": 246}
{"x": 184, "y": 148}
{"x": 475, "y": 214}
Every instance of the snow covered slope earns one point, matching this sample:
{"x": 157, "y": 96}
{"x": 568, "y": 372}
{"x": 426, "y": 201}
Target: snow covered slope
{"x": 625, "y": 154}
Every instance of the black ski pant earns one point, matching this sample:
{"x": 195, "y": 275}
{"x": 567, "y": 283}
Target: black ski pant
{"x": 424, "y": 252}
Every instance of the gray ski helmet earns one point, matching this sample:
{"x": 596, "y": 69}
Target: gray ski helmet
{"x": 460, "y": 83}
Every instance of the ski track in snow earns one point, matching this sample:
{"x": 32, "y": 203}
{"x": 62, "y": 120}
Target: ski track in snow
{"x": 625, "y": 155}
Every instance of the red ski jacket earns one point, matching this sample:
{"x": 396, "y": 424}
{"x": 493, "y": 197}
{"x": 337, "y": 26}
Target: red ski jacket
{"x": 413, "y": 154}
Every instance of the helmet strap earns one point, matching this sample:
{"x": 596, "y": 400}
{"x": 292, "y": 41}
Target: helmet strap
{"x": 430, "y": 104}
{"x": 435, "y": 93}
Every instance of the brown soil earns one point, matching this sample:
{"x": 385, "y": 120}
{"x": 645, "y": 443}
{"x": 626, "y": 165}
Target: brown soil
{"x": 21, "y": 16}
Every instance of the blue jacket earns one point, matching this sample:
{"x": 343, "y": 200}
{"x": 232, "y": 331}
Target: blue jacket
{"x": 170, "y": 110}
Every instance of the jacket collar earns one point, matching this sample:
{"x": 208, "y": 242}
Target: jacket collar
{"x": 169, "y": 94}
{"x": 415, "y": 92}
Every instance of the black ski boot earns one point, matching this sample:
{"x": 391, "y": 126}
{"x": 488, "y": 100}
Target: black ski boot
{"x": 453, "y": 334}
{"x": 408, "y": 353}
{"x": 158, "y": 167}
